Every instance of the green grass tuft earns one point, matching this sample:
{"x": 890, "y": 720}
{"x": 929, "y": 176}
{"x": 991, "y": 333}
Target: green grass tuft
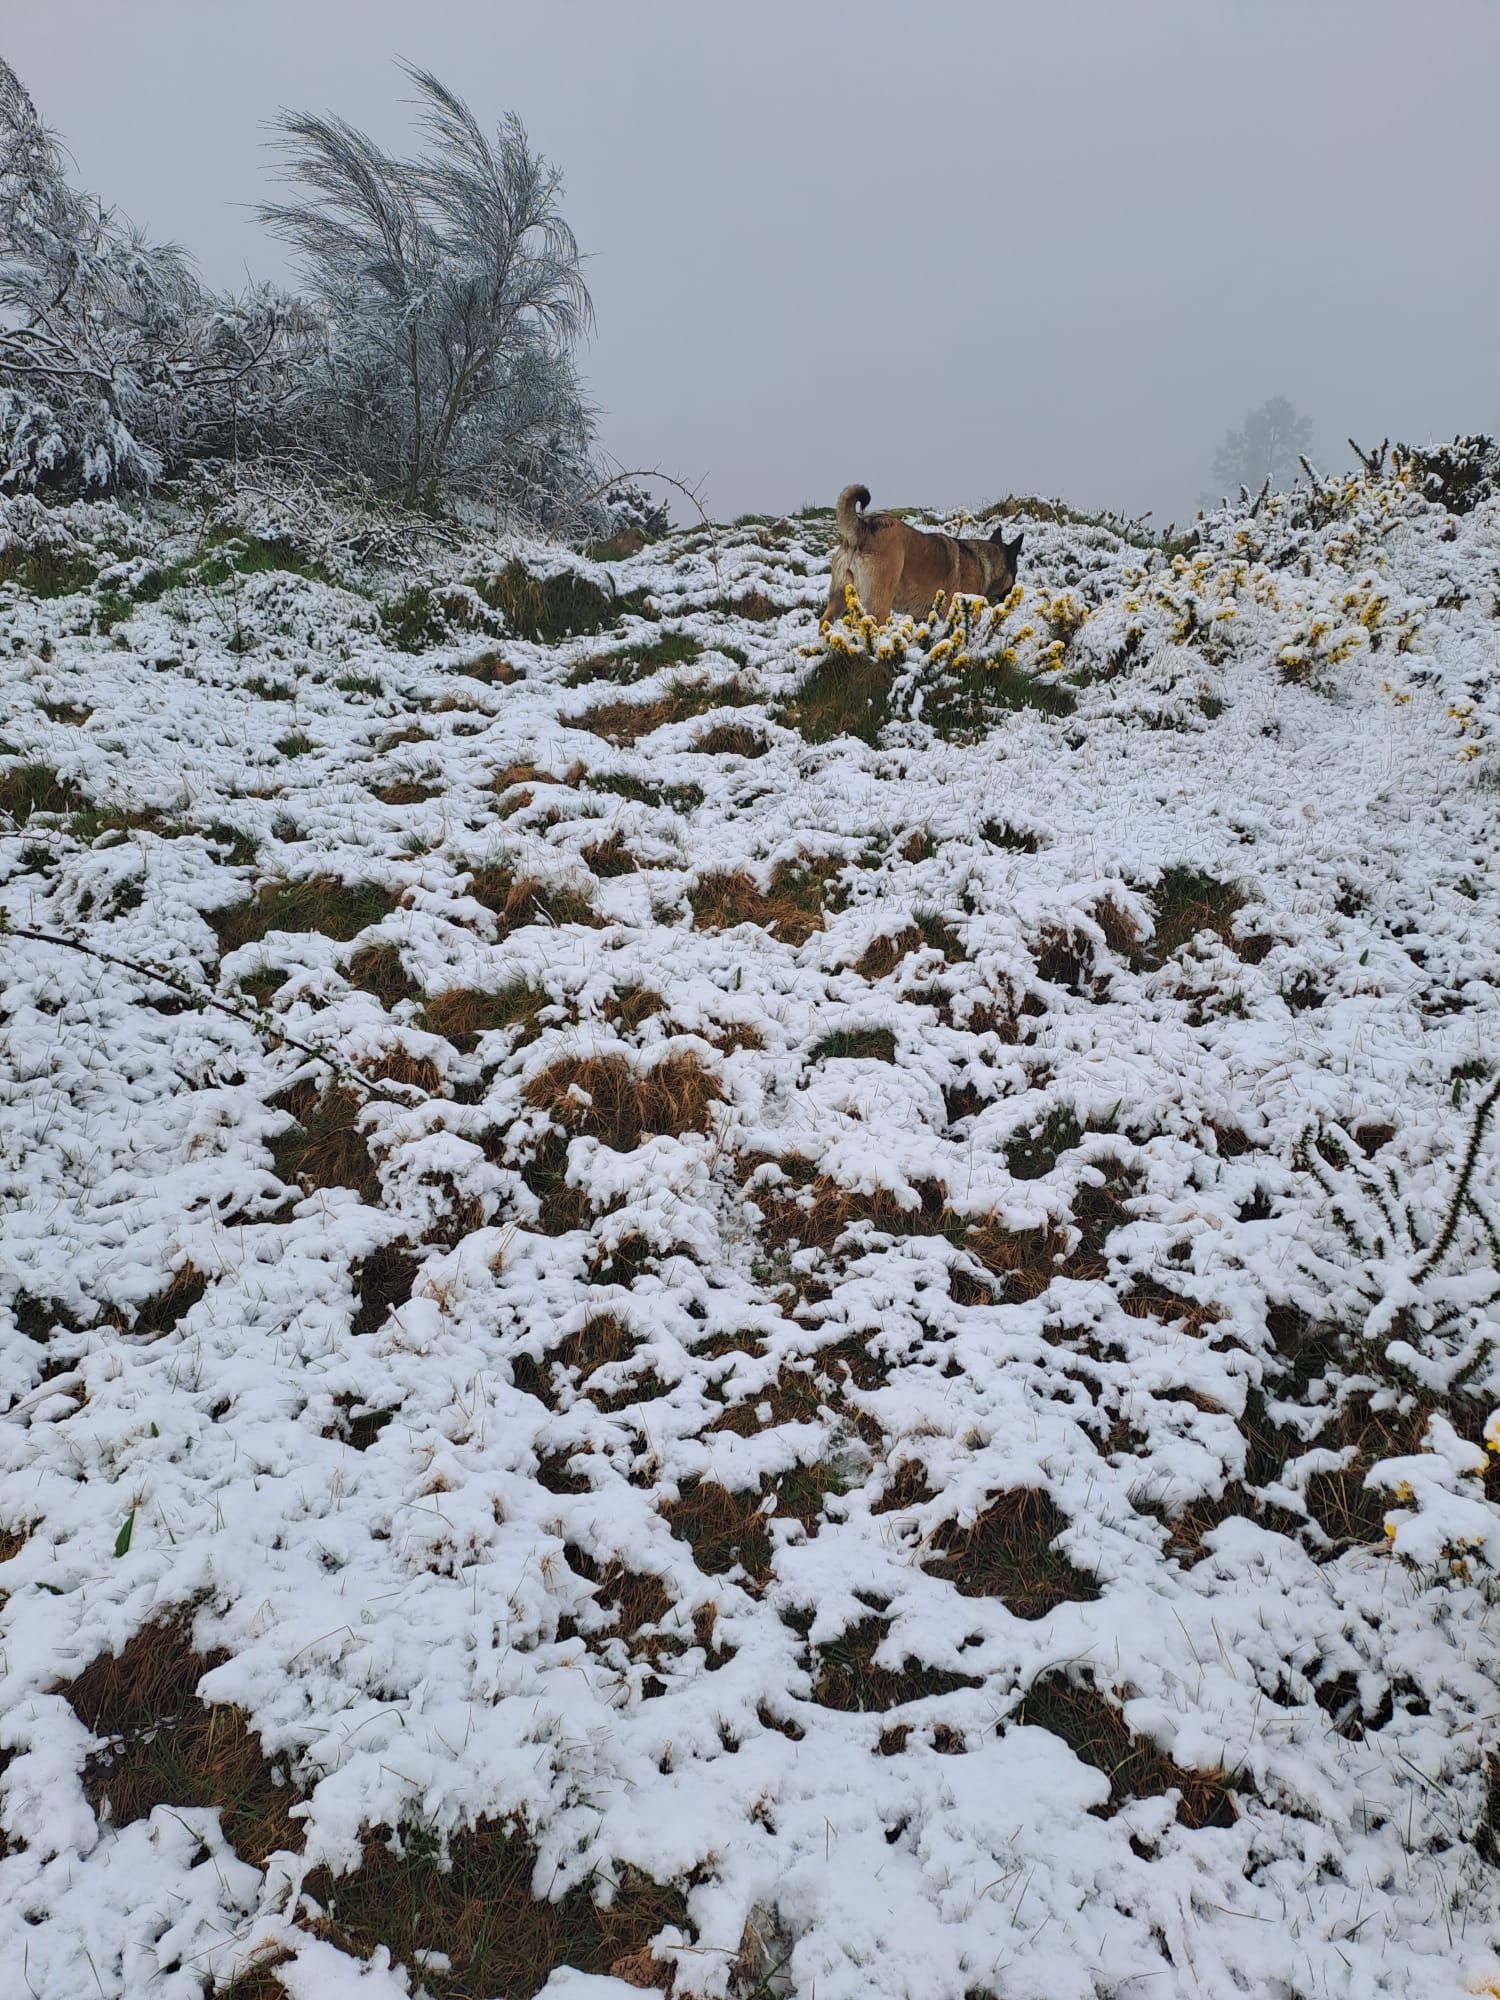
{"x": 549, "y": 608}
{"x": 47, "y": 572}
{"x": 339, "y": 910}
{"x": 843, "y": 695}
{"x": 1187, "y": 901}
{"x": 871, "y": 1044}
{"x": 637, "y": 663}
{"x": 36, "y": 788}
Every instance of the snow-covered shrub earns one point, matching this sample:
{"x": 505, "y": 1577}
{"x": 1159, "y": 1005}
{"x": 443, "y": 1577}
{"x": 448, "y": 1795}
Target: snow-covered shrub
{"x": 452, "y": 294}
{"x": 117, "y": 366}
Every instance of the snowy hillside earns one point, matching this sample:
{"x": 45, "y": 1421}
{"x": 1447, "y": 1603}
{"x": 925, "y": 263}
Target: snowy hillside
{"x": 848, "y": 1353}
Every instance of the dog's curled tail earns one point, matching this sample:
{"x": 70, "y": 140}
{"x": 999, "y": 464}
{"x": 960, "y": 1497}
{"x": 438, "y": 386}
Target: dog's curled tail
{"x": 845, "y": 516}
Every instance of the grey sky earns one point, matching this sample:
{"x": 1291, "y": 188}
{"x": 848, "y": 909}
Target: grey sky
{"x": 952, "y": 250}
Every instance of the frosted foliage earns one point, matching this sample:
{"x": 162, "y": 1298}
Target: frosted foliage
{"x": 453, "y": 294}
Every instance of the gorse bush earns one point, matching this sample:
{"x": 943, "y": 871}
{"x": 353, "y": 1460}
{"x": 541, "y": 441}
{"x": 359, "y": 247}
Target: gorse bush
{"x": 958, "y": 667}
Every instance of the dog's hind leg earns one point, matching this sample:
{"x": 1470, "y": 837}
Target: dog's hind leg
{"x": 836, "y": 583}
{"x": 880, "y": 595}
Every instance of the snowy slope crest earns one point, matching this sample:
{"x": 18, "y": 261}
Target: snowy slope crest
{"x": 818, "y": 1314}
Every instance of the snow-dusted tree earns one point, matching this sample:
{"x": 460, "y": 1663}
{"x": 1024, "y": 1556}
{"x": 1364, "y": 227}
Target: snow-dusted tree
{"x": 453, "y": 297}
{"x": 1268, "y": 447}
{"x": 116, "y": 365}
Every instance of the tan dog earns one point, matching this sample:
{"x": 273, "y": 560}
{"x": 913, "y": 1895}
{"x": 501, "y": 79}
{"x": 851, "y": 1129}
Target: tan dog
{"x": 896, "y": 568}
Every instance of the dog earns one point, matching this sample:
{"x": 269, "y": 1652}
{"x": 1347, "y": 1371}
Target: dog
{"x": 896, "y": 568}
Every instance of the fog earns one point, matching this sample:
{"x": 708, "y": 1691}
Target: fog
{"x": 952, "y": 251}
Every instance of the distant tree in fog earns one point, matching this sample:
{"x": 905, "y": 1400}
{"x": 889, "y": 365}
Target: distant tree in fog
{"x": 1268, "y": 446}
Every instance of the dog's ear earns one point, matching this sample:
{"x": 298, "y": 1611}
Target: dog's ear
{"x": 1013, "y": 551}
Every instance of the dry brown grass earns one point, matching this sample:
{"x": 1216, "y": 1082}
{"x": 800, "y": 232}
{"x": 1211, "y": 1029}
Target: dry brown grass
{"x": 490, "y": 668}
{"x": 991, "y": 1017}
{"x": 602, "y": 1341}
{"x": 518, "y": 900}
{"x": 1008, "y": 1552}
{"x": 399, "y": 1065}
{"x": 258, "y": 1981}
{"x": 723, "y": 1528}
{"x": 1094, "y": 1729}
{"x": 731, "y": 739}
{"x": 325, "y": 1148}
{"x": 380, "y": 970}
{"x": 455, "y": 704}
{"x": 623, "y": 723}
{"x": 631, "y": 1006}
{"x": 1121, "y": 932}
{"x": 611, "y": 856}
{"x": 812, "y": 1211}
{"x": 462, "y": 1015}
{"x": 169, "y": 1748}
{"x": 796, "y": 1396}
{"x": 755, "y": 605}
{"x": 883, "y": 954}
{"x": 733, "y": 1035}
{"x": 1024, "y": 1260}
{"x": 793, "y": 906}
{"x": 1159, "y": 1302}
{"x": 482, "y": 1906}
{"x": 535, "y": 774}
{"x": 638, "y": 1604}
{"x": 610, "y": 1098}
{"x": 406, "y": 792}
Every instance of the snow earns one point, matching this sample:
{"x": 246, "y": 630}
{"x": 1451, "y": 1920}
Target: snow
{"x": 403, "y": 1624}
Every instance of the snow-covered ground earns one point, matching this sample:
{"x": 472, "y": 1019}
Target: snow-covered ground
{"x": 889, "y": 1375}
